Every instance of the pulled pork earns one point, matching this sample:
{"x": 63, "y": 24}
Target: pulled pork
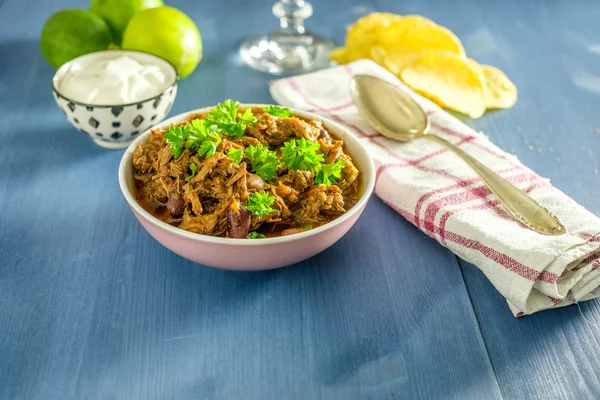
{"x": 210, "y": 200}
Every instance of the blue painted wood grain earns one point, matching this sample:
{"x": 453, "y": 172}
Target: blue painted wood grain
{"x": 551, "y": 49}
{"x": 92, "y": 307}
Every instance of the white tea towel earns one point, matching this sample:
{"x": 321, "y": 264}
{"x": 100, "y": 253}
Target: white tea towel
{"x": 442, "y": 196}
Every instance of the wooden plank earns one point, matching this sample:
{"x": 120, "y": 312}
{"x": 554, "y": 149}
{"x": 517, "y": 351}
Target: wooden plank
{"x": 550, "y": 50}
{"x": 93, "y": 307}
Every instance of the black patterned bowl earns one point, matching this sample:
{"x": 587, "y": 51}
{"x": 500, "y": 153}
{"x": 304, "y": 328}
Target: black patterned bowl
{"x": 115, "y": 126}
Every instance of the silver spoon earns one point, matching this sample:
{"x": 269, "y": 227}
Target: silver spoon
{"x": 395, "y": 115}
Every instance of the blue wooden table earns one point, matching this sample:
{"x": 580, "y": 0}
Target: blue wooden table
{"x": 91, "y": 307}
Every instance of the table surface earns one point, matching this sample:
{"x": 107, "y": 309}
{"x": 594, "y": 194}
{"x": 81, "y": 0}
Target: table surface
{"x": 91, "y": 307}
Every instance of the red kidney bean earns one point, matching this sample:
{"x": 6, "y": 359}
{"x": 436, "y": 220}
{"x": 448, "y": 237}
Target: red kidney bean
{"x": 349, "y": 203}
{"x": 238, "y": 224}
{"x": 176, "y": 207}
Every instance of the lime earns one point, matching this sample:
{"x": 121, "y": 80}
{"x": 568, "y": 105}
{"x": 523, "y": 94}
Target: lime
{"x": 71, "y": 33}
{"x": 117, "y": 13}
{"x": 168, "y": 33}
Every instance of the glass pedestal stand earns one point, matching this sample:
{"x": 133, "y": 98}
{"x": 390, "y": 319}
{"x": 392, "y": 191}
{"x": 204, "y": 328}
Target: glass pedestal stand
{"x": 290, "y": 49}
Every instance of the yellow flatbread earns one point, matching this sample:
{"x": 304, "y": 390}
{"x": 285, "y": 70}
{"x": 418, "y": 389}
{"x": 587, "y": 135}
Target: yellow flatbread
{"x": 449, "y": 80}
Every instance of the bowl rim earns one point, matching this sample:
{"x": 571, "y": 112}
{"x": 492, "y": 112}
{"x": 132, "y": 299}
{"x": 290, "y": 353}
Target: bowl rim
{"x": 59, "y": 94}
{"x": 367, "y": 170}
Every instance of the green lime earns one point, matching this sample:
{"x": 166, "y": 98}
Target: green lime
{"x": 167, "y": 33}
{"x": 71, "y": 33}
{"x": 117, "y": 13}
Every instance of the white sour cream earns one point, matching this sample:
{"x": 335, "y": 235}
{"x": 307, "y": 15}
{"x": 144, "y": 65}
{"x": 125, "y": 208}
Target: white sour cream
{"x": 112, "y": 81}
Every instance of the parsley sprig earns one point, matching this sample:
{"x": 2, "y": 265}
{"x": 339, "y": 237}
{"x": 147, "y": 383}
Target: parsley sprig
{"x": 196, "y": 136}
{"x": 202, "y": 135}
{"x": 279, "y": 112}
{"x": 264, "y": 161}
{"x": 175, "y": 137}
{"x": 302, "y": 155}
{"x": 202, "y": 138}
{"x": 256, "y": 235}
{"x": 194, "y": 170}
{"x": 260, "y": 203}
{"x": 226, "y": 118}
{"x": 235, "y": 155}
{"x": 328, "y": 173}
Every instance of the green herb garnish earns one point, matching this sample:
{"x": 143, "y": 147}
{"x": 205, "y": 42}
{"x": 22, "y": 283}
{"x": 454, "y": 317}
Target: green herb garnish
{"x": 302, "y": 155}
{"x": 247, "y": 117}
{"x": 196, "y": 135}
{"x": 202, "y": 137}
{"x": 306, "y": 227}
{"x": 328, "y": 173}
{"x": 264, "y": 161}
{"x": 260, "y": 203}
{"x": 256, "y": 235}
{"x": 279, "y": 112}
{"x": 236, "y": 155}
{"x": 175, "y": 137}
{"x": 194, "y": 170}
{"x": 226, "y": 119}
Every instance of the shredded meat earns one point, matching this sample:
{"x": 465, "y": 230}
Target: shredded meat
{"x": 209, "y": 195}
{"x": 204, "y": 224}
{"x": 178, "y": 168}
{"x": 238, "y": 175}
{"x": 164, "y": 156}
{"x": 332, "y": 151}
{"x": 265, "y": 130}
{"x": 190, "y": 196}
{"x": 245, "y": 141}
{"x": 319, "y": 203}
{"x": 299, "y": 180}
{"x": 349, "y": 180}
{"x": 142, "y": 158}
{"x": 272, "y": 131}
{"x": 299, "y": 128}
{"x": 205, "y": 168}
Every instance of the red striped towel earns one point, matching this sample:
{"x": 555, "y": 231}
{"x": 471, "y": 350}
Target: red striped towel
{"x": 444, "y": 198}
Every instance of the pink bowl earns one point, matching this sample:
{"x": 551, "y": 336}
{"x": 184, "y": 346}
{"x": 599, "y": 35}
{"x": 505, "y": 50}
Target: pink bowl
{"x": 268, "y": 253}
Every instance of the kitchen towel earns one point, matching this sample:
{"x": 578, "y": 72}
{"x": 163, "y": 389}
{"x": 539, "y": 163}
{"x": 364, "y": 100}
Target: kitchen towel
{"x": 442, "y": 196}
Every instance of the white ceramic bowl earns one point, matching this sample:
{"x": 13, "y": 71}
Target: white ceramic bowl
{"x": 116, "y": 125}
{"x": 251, "y": 254}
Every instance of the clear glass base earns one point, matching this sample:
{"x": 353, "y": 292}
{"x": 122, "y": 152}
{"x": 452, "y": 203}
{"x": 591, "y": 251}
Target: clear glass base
{"x": 281, "y": 53}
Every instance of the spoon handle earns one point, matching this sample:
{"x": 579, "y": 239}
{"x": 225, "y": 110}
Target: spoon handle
{"x": 516, "y": 202}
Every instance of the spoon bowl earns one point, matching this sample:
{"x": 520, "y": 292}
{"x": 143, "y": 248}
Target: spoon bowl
{"x": 394, "y": 114}
{"x": 389, "y": 110}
